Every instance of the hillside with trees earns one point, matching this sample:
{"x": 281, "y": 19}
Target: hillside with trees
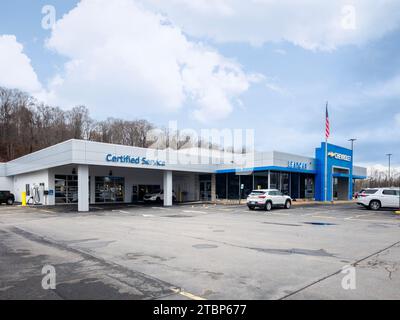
{"x": 27, "y": 125}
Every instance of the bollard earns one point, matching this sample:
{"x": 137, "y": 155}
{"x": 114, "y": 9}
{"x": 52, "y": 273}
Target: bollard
{"x": 23, "y": 199}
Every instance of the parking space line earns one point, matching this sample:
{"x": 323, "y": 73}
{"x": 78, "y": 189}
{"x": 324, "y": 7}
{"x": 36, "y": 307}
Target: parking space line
{"x": 194, "y": 211}
{"x": 325, "y": 217}
{"x": 360, "y": 215}
{"x": 47, "y": 211}
{"x": 187, "y": 294}
{"x": 121, "y": 211}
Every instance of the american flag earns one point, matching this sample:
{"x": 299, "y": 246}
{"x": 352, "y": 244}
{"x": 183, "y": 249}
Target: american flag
{"x": 327, "y": 127}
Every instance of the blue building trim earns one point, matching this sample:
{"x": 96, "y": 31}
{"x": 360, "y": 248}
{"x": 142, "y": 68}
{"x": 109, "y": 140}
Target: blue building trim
{"x": 266, "y": 168}
{"x": 359, "y": 177}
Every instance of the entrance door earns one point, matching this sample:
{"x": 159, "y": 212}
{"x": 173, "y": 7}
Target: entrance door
{"x": 205, "y": 190}
{"x": 340, "y": 188}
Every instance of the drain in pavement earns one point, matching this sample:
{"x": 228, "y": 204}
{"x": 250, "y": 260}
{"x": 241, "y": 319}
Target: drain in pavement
{"x": 204, "y": 246}
{"x": 283, "y": 224}
{"x": 178, "y": 216}
{"x": 321, "y": 223}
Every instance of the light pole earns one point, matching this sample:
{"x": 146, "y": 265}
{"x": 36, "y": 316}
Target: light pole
{"x": 389, "y": 155}
{"x": 352, "y": 165}
{"x": 352, "y": 143}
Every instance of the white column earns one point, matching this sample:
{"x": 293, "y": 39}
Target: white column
{"x": 167, "y": 188}
{"x": 51, "y": 198}
{"x": 83, "y": 188}
{"x": 213, "y": 187}
{"x": 92, "y": 189}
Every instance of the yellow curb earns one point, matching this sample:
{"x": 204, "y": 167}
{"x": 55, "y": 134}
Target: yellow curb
{"x": 397, "y": 212}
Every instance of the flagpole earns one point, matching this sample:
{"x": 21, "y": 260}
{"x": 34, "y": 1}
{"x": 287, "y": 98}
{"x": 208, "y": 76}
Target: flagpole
{"x": 326, "y": 169}
{"x": 326, "y": 162}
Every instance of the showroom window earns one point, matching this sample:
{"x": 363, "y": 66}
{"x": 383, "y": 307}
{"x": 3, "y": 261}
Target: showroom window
{"x": 275, "y": 183}
{"x": 220, "y": 180}
{"x": 233, "y": 186}
{"x": 109, "y": 189}
{"x": 261, "y": 180}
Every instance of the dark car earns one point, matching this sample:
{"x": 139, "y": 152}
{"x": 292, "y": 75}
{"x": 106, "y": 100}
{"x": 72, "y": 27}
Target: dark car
{"x": 6, "y": 197}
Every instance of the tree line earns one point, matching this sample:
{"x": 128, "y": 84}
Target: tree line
{"x": 378, "y": 178}
{"x": 27, "y": 125}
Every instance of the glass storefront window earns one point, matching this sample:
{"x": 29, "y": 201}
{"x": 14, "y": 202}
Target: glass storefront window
{"x": 233, "y": 186}
{"x": 109, "y": 189}
{"x": 309, "y": 187}
{"x": 220, "y": 180}
{"x": 66, "y": 189}
{"x": 261, "y": 180}
{"x": 285, "y": 183}
{"x": 275, "y": 180}
{"x": 247, "y": 182}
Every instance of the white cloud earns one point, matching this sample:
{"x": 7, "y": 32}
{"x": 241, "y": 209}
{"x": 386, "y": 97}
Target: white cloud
{"x": 386, "y": 89}
{"x": 16, "y": 71}
{"x": 123, "y": 58}
{"x": 311, "y": 24}
{"x": 397, "y": 119}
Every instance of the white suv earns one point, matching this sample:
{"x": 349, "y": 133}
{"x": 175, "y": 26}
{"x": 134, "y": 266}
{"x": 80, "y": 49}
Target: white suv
{"x": 377, "y": 198}
{"x": 268, "y": 198}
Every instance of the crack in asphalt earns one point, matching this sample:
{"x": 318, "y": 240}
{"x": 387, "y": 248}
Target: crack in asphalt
{"x": 354, "y": 264}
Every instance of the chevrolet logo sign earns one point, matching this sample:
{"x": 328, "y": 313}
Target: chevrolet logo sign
{"x": 339, "y": 156}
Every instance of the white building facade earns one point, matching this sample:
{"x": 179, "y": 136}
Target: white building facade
{"x": 85, "y": 172}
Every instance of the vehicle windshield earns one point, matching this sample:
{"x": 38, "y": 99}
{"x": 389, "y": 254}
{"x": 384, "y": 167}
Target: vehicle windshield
{"x": 257, "y": 193}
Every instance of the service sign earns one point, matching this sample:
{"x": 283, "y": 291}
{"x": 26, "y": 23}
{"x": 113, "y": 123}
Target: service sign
{"x": 297, "y": 165}
{"x": 134, "y": 160}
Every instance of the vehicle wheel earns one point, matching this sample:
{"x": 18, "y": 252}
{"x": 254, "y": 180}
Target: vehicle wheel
{"x": 268, "y": 206}
{"x": 288, "y": 204}
{"x": 251, "y": 208}
{"x": 10, "y": 202}
{"x": 375, "y": 205}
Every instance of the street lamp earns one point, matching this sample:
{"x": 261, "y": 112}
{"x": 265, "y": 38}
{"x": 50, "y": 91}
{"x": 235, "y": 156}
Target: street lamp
{"x": 389, "y": 155}
{"x": 352, "y": 160}
{"x": 352, "y": 143}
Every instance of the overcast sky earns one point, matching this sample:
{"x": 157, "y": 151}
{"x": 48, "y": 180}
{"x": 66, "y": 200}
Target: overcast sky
{"x": 261, "y": 64}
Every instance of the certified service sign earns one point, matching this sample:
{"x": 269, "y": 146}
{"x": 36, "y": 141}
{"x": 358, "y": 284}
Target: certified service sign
{"x": 134, "y": 160}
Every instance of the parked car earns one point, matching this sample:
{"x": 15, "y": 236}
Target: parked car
{"x": 6, "y": 197}
{"x": 376, "y": 198}
{"x": 267, "y": 199}
{"x": 157, "y": 196}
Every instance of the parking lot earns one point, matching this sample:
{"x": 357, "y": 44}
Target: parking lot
{"x": 199, "y": 252}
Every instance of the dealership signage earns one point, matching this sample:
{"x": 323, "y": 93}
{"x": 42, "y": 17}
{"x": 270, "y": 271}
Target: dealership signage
{"x": 134, "y": 160}
{"x": 297, "y": 165}
{"x": 339, "y": 156}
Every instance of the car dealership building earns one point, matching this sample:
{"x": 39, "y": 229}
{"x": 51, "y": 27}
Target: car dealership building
{"x": 86, "y": 172}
